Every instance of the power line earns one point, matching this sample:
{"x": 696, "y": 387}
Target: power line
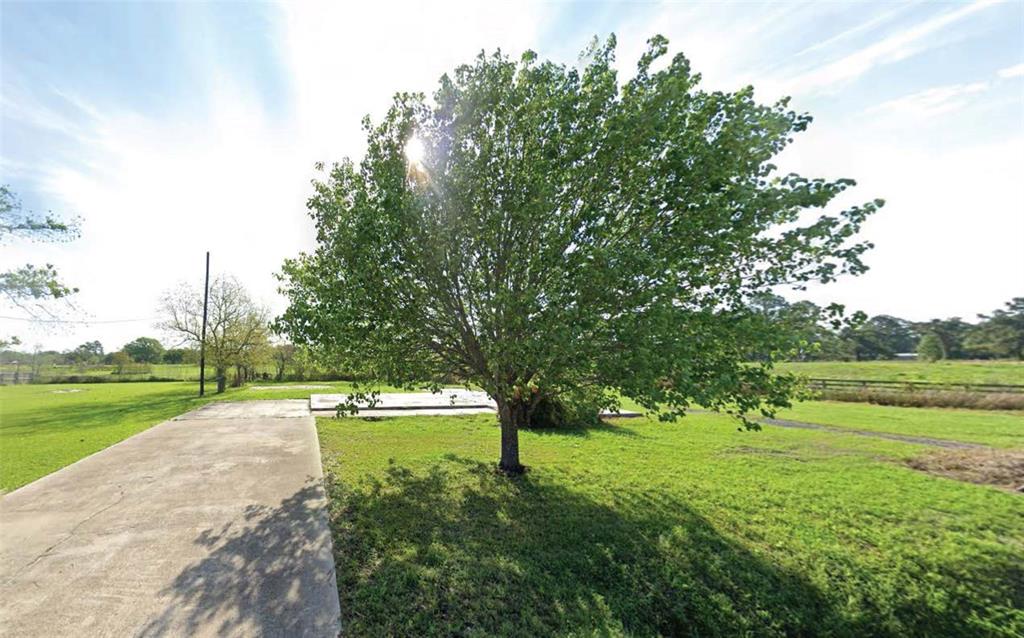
{"x": 78, "y": 321}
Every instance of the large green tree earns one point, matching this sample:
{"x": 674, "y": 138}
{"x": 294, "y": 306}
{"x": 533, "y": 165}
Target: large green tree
{"x": 87, "y": 353}
{"x": 548, "y": 233}
{"x": 144, "y": 350}
{"x": 950, "y": 332}
{"x": 1000, "y": 334}
{"x": 930, "y": 348}
{"x": 881, "y": 337}
{"x": 813, "y": 331}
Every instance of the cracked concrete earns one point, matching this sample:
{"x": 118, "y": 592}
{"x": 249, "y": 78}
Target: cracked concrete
{"x": 213, "y": 523}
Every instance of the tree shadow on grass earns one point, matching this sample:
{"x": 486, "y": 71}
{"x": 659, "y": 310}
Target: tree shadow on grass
{"x": 584, "y": 431}
{"x": 269, "y": 576}
{"x": 459, "y": 550}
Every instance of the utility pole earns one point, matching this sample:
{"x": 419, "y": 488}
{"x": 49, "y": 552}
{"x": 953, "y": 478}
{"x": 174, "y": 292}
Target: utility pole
{"x": 202, "y": 342}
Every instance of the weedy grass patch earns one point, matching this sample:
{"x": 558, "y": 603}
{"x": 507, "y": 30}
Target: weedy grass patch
{"x": 927, "y": 398}
{"x": 1003, "y": 468}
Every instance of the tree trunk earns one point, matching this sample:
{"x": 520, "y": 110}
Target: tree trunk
{"x": 222, "y": 378}
{"x": 511, "y": 415}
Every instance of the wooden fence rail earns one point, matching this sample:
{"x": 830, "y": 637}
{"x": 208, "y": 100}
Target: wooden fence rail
{"x": 913, "y": 386}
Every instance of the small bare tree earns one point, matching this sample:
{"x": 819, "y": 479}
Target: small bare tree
{"x": 236, "y": 325}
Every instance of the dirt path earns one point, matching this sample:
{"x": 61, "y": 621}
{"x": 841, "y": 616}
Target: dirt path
{"x": 921, "y": 440}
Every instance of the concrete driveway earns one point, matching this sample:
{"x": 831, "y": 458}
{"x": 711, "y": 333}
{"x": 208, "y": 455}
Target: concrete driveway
{"x": 211, "y": 524}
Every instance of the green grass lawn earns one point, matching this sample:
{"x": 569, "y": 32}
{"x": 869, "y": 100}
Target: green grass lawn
{"x": 638, "y": 529}
{"x": 1003, "y": 429}
{"x": 649, "y": 529}
{"x": 937, "y": 372}
{"x": 45, "y": 427}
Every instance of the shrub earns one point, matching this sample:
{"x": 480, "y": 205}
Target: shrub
{"x": 930, "y": 348}
{"x": 570, "y": 410}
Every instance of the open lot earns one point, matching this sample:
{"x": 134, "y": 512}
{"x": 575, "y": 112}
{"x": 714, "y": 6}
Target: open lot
{"x": 45, "y": 427}
{"x": 637, "y": 528}
{"x": 645, "y": 528}
{"x": 1011, "y": 372}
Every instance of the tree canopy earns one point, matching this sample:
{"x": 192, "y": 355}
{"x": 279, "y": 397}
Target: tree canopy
{"x": 88, "y": 352}
{"x": 29, "y": 286}
{"x": 930, "y": 348}
{"x": 560, "y": 235}
{"x": 144, "y": 350}
{"x": 822, "y": 334}
{"x": 1001, "y": 334}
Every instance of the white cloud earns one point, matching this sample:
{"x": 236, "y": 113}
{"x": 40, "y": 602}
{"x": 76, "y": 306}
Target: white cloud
{"x": 833, "y": 75}
{"x": 1014, "y": 71}
{"x": 156, "y": 191}
{"x": 931, "y": 102}
{"x": 347, "y": 60}
{"x": 947, "y": 240}
{"x": 867, "y": 25}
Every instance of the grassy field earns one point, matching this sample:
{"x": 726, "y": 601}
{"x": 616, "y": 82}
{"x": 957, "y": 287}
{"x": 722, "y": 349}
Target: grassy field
{"x": 938, "y": 372}
{"x": 45, "y": 427}
{"x": 181, "y": 372}
{"x": 640, "y": 528}
{"x": 998, "y": 429}
{"x": 651, "y": 529}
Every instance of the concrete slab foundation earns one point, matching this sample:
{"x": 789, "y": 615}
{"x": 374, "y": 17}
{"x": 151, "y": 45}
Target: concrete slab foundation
{"x": 446, "y": 402}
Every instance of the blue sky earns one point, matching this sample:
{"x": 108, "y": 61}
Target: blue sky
{"x": 170, "y": 129}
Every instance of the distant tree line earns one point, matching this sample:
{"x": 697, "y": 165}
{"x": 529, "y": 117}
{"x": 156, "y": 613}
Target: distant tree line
{"x": 239, "y": 343}
{"x": 819, "y": 334}
{"x": 144, "y": 350}
{"x": 138, "y": 355}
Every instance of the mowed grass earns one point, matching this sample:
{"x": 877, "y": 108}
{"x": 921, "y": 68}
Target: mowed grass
{"x": 1004, "y": 429}
{"x": 642, "y": 528}
{"x": 645, "y": 529}
{"x": 46, "y": 427}
{"x": 1010, "y": 372}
